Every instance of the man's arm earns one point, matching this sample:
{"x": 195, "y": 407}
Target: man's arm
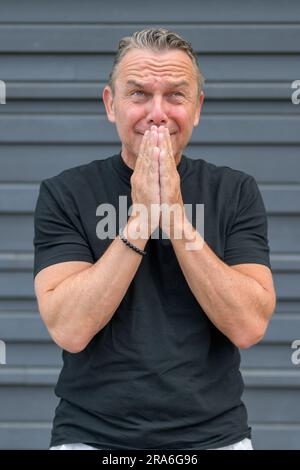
{"x": 76, "y": 300}
{"x": 238, "y": 300}
{"x": 76, "y": 308}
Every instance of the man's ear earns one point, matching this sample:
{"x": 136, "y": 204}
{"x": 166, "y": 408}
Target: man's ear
{"x": 108, "y": 101}
{"x": 198, "y": 108}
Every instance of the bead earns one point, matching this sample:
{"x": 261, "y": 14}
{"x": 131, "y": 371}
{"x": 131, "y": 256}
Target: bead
{"x": 127, "y": 242}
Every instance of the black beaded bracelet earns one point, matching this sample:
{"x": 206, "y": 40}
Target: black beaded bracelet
{"x": 127, "y": 242}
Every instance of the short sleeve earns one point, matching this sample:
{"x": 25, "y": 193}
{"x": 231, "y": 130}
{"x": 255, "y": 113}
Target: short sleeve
{"x": 58, "y": 235}
{"x": 247, "y": 237}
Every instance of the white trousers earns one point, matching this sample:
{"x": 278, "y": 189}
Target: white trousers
{"x": 245, "y": 444}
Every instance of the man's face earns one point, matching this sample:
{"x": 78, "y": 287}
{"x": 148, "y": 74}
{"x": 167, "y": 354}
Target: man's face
{"x": 154, "y": 88}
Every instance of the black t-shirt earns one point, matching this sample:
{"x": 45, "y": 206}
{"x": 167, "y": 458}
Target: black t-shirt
{"x": 159, "y": 375}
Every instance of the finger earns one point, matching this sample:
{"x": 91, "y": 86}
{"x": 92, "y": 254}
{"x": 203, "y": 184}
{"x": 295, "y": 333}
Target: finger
{"x": 146, "y": 156}
{"x": 167, "y": 160}
{"x": 166, "y": 145}
{"x": 164, "y": 169}
{"x": 143, "y": 143}
{"x": 161, "y": 139}
{"x": 169, "y": 143}
{"x": 154, "y": 160}
{"x": 169, "y": 150}
{"x": 148, "y": 151}
{"x": 141, "y": 155}
{"x": 154, "y": 137}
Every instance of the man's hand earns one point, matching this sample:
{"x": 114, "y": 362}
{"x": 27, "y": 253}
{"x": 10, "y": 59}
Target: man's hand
{"x": 145, "y": 189}
{"x": 172, "y": 208}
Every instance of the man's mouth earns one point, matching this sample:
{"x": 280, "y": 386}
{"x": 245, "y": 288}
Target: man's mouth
{"x": 142, "y": 133}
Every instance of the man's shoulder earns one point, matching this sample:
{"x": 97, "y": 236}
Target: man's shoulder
{"x": 218, "y": 173}
{"x": 79, "y": 174}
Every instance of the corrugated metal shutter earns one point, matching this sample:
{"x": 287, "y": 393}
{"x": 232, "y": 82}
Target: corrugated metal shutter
{"x": 55, "y": 57}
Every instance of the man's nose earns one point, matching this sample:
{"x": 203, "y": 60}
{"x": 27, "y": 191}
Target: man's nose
{"x": 157, "y": 112}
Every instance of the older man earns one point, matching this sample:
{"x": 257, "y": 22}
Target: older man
{"x": 150, "y": 329}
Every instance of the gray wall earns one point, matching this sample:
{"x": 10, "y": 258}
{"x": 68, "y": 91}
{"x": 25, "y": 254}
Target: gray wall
{"x": 55, "y": 57}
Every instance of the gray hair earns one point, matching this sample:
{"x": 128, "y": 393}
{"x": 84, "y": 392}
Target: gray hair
{"x": 159, "y": 39}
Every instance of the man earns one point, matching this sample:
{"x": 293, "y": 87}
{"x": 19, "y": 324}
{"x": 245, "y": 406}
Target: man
{"x": 150, "y": 330}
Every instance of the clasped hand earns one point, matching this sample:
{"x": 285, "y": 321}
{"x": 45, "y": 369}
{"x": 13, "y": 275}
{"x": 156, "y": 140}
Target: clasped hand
{"x": 155, "y": 183}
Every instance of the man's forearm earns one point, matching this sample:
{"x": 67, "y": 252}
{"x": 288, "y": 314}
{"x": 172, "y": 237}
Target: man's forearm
{"x": 84, "y": 303}
{"x": 234, "y": 302}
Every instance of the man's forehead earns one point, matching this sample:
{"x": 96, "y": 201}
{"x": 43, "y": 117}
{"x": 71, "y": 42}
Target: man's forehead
{"x": 139, "y": 64}
{"x": 160, "y": 70}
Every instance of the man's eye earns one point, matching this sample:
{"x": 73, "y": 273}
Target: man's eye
{"x": 177, "y": 96}
{"x": 138, "y": 92}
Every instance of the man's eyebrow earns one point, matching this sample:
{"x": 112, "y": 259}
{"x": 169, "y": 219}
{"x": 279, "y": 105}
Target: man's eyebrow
{"x": 134, "y": 83}
{"x": 182, "y": 83}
